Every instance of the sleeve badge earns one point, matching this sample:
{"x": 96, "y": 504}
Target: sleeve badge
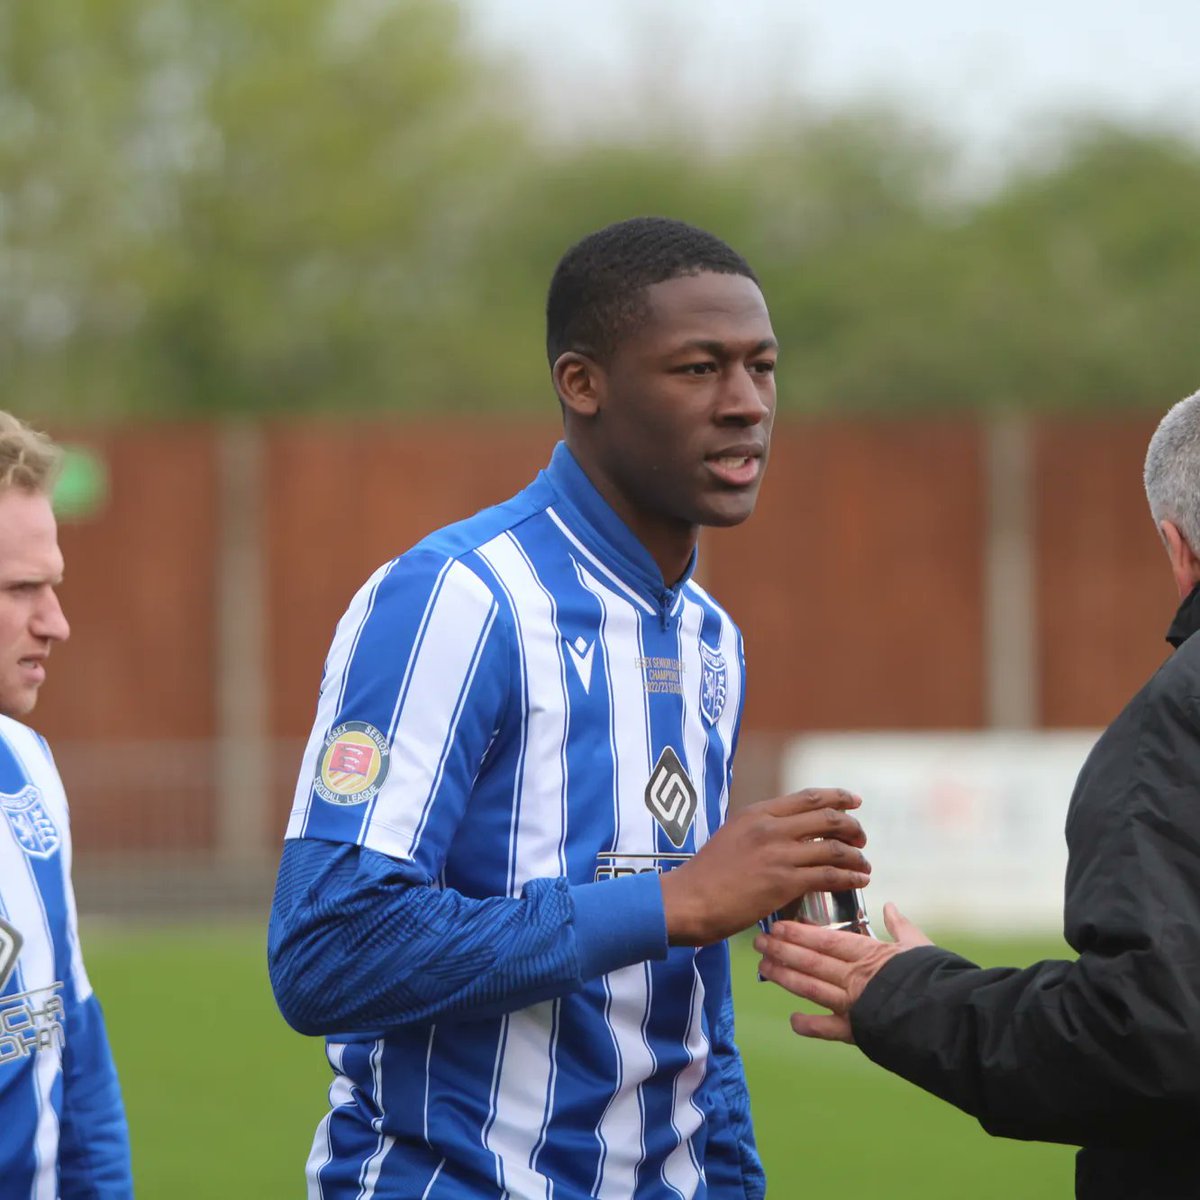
{"x": 353, "y": 764}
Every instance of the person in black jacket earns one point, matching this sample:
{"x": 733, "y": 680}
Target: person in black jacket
{"x": 1102, "y": 1052}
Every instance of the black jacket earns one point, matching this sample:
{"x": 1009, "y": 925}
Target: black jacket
{"x": 1102, "y": 1052}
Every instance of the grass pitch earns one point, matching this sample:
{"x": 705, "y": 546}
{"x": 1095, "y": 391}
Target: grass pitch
{"x": 223, "y": 1098}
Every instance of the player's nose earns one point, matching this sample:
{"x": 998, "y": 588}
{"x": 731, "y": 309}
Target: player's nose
{"x": 747, "y": 398}
{"x": 49, "y": 620}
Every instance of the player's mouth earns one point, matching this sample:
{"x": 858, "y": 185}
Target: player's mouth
{"x": 736, "y": 468}
{"x": 33, "y": 668}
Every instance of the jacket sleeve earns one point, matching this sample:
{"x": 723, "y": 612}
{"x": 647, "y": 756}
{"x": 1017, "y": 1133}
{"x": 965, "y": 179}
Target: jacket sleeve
{"x": 1104, "y": 1049}
{"x": 359, "y": 943}
{"x": 94, "y": 1161}
{"x": 732, "y": 1165}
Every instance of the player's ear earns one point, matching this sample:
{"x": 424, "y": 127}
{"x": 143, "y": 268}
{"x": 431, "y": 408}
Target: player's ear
{"x": 579, "y": 381}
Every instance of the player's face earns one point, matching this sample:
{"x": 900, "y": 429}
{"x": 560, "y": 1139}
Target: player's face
{"x": 31, "y": 618}
{"x": 685, "y": 409}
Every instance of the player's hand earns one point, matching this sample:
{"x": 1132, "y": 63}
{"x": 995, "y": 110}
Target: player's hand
{"x": 763, "y": 858}
{"x": 830, "y": 967}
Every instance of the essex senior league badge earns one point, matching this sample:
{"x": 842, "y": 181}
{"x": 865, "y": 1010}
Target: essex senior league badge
{"x": 714, "y": 683}
{"x": 31, "y": 823}
{"x": 353, "y": 764}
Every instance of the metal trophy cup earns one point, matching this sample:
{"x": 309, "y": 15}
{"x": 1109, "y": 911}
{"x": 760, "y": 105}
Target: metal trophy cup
{"x": 835, "y": 910}
{"x": 838, "y": 910}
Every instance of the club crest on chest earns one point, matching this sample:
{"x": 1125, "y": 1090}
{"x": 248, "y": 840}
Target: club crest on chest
{"x": 714, "y": 684}
{"x": 31, "y": 822}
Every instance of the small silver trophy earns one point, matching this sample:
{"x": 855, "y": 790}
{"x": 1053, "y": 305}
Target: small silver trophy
{"x": 835, "y": 910}
{"x": 838, "y": 910}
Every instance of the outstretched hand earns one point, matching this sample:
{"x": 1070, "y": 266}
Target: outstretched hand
{"x": 830, "y": 967}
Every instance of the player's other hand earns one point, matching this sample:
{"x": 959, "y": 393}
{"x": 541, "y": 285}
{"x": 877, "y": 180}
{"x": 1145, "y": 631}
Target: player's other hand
{"x": 763, "y": 858}
{"x": 830, "y": 967}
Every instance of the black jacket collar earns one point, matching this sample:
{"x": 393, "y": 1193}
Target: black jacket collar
{"x": 1187, "y": 619}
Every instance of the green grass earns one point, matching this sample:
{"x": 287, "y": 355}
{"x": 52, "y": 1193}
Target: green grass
{"x": 223, "y": 1097}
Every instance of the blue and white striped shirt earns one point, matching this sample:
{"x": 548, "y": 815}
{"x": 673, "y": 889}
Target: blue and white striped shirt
{"x": 518, "y": 715}
{"x": 62, "y": 1123}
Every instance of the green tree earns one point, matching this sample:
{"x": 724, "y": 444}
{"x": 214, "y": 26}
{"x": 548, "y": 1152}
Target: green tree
{"x": 287, "y": 206}
{"x": 254, "y": 206}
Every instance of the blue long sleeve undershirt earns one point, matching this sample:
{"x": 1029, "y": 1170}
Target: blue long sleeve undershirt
{"x": 360, "y": 943}
{"x": 93, "y": 1149}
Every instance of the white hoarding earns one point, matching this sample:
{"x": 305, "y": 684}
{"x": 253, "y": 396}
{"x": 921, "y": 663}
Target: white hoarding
{"x": 965, "y": 830}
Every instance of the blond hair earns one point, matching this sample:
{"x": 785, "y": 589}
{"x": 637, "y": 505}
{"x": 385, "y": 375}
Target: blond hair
{"x": 28, "y": 459}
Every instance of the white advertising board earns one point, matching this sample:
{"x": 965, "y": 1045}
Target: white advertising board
{"x": 965, "y": 830}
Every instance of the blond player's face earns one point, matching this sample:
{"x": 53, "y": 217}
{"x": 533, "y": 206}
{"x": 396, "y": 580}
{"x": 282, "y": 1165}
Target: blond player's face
{"x": 31, "y": 618}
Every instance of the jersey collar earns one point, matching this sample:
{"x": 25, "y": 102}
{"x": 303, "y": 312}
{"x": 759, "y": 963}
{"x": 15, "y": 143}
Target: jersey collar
{"x": 593, "y": 520}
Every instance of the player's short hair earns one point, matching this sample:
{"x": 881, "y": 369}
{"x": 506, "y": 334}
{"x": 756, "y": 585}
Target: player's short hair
{"x": 598, "y": 289}
{"x": 28, "y": 459}
{"x": 1172, "y": 471}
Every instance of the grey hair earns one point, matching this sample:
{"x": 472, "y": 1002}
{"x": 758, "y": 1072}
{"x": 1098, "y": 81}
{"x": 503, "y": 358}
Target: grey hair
{"x": 1172, "y": 471}
{"x": 28, "y": 459}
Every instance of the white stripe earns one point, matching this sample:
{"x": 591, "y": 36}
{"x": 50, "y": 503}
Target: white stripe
{"x": 523, "y": 1085}
{"x": 602, "y": 641}
{"x": 402, "y": 691}
{"x": 523, "y": 1092}
{"x": 538, "y": 847}
{"x": 337, "y": 664}
{"x": 522, "y": 693}
{"x": 341, "y": 1092}
{"x": 428, "y": 1073}
{"x": 369, "y": 1176}
{"x": 616, "y": 580}
{"x": 496, "y": 1064}
{"x": 620, "y": 1128}
{"x": 681, "y": 1170}
{"x": 630, "y": 741}
{"x": 695, "y": 728}
{"x": 433, "y": 1180}
{"x": 36, "y": 968}
{"x": 440, "y": 673}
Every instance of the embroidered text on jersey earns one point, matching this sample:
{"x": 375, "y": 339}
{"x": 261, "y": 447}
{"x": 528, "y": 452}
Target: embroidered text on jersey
{"x": 661, "y": 674}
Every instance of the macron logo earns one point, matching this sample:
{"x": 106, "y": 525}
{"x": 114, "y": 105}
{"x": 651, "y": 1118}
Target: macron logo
{"x": 581, "y": 655}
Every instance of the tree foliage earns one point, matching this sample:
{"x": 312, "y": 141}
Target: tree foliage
{"x": 283, "y": 206}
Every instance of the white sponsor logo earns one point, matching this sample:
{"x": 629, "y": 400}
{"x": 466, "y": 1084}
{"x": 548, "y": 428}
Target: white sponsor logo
{"x": 31, "y": 1022}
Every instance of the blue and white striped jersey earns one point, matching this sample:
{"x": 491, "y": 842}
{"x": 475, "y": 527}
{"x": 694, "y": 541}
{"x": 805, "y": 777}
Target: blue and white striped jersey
{"x": 62, "y": 1123}
{"x": 519, "y": 699}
